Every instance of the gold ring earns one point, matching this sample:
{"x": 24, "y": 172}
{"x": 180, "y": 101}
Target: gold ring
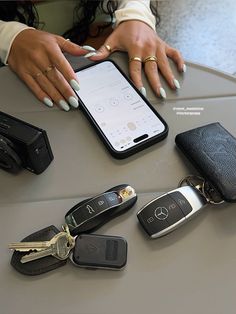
{"x": 48, "y": 69}
{"x": 135, "y": 59}
{"x": 37, "y": 75}
{"x": 150, "y": 58}
{"x": 108, "y": 48}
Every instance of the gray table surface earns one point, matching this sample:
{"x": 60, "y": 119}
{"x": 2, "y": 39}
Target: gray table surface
{"x": 191, "y": 270}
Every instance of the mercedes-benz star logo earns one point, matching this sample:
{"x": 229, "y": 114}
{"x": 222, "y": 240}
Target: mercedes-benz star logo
{"x": 161, "y": 213}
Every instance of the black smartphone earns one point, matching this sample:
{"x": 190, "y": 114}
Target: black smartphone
{"x": 122, "y": 116}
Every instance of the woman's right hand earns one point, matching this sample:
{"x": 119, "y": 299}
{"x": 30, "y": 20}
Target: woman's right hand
{"x": 37, "y": 58}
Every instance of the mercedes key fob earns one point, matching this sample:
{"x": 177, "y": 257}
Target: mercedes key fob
{"x": 91, "y": 213}
{"x": 168, "y": 211}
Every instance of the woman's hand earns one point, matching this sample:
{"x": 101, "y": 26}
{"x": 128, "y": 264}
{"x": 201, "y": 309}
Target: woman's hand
{"x": 37, "y": 58}
{"x": 142, "y": 42}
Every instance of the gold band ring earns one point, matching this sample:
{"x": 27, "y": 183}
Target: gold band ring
{"x": 150, "y": 58}
{"x": 108, "y": 48}
{"x": 135, "y": 59}
{"x": 37, "y": 75}
{"x": 48, "y": 69}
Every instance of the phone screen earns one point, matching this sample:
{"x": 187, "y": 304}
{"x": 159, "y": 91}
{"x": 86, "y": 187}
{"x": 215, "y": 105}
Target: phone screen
{"x": 119, "y": 111}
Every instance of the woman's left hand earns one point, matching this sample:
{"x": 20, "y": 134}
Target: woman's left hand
{"x": 142, "y": 42}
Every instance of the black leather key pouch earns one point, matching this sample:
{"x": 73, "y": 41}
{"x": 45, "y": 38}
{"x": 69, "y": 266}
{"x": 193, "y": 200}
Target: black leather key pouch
{"x": 42, "y": 265}
{"x": 212, "y": 150}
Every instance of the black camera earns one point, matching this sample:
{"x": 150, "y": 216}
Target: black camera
{"x": 23, "y": 145}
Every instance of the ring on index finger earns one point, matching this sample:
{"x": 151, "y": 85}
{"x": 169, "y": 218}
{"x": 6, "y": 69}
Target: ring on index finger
{"x": 135, "y": 59}
{"x": 108, "y": 48}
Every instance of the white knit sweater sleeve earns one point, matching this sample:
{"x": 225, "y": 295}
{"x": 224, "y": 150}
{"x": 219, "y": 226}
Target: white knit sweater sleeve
{"x": 135, "y": 10}
{"x": 127, "y": 10}
{"x": 8, "y": 32}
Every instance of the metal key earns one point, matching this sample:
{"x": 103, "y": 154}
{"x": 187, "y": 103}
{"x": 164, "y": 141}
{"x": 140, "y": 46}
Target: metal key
{"x": 60, "y": 246}
{"x": 29, "y": 246}
{"x": 39, "y": 245}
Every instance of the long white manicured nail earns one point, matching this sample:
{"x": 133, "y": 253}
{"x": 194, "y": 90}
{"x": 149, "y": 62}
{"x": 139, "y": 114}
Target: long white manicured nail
{"x": 64, "y": 105}
{"x": 184, "y": 69}
{"x": 73, "y": 102}
{"x": 162, "y": 93}
{"x": 47, "y": 101}
{"x": 74, "y": 85}
{"x": 90, "y": 54}
{"x": 143, "y": 91}
{"x": 89, "y": 48}
{"x": 176, "y": 83}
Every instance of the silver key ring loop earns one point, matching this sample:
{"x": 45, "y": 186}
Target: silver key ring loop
{"x": 203, "y": 187}
{"x": 206, "y": 191}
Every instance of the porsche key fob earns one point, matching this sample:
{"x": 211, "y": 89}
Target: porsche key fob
{"x": 91, "y": 213}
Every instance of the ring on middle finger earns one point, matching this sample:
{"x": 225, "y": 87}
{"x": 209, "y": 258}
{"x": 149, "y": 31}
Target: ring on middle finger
{"x": 48, "y": 69}
{"x": 37, "y": 75}
{"x": 150, "y": 58}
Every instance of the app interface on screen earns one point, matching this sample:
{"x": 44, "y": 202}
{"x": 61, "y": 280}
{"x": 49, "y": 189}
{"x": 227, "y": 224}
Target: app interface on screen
{"x": 120, "y": 112}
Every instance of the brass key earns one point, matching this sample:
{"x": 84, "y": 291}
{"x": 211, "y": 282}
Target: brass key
{"x": 60, "y": 247}
{"x": 39, "y": 245}
{"x": 28, "y": 246}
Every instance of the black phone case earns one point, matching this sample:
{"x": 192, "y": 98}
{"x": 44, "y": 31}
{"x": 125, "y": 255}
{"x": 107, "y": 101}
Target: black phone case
{"x": 212, "y": 150}
{"x": 139, "y": 146}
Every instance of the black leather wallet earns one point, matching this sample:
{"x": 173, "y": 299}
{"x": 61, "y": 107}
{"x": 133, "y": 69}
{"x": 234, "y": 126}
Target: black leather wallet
{"x": 212, "y": 150}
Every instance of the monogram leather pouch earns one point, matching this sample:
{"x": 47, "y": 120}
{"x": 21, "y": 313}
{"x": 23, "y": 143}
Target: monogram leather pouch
{"x": 212, "y": 150}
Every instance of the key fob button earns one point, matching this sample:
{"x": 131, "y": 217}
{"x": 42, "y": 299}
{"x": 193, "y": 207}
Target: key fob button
{"x": 153, "y": 216}
{"x": 172, "y": 211}
{"x": 84, "y": 212}
{"x": 100, "y": 203}
{"x": 151, "y": 224}
{"x": 113, "y": 198}
{"x": 182, "y": 202}
{"x": 167, "y": 210}
{"x": 160, "y": 214}
{"x": 90, "y": 209}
